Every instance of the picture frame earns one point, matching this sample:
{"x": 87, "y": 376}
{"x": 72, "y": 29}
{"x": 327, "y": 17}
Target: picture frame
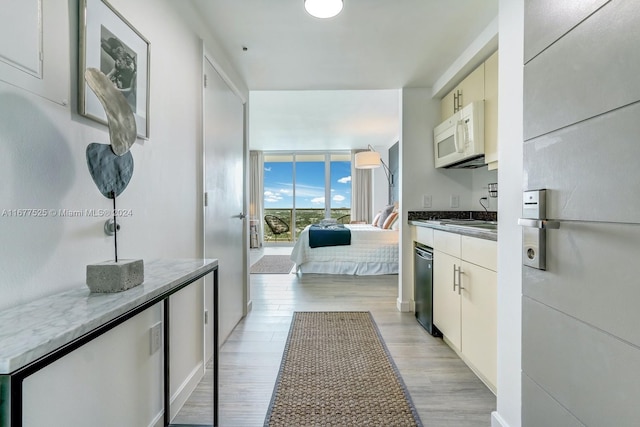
{"x": 111, "y": 44}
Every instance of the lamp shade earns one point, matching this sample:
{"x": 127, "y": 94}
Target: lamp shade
{"x": 368, "y": 160}
{"x": 323, "y": 8}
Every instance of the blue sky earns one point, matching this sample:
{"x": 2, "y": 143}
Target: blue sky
{"x": 278, "y": 186}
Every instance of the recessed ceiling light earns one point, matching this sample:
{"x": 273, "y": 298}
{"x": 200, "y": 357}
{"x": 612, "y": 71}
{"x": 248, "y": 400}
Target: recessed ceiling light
{"x": 323, "y": 8}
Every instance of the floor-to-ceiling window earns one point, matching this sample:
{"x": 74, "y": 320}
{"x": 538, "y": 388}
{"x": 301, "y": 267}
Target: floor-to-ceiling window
{"x": 303, "y": 188}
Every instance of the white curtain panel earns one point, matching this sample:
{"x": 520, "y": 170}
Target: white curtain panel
{"x": 361, "y": 187}
{"x": 256, "y": 191}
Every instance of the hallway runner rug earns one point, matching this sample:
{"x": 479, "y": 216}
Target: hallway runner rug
{"x": 273, "y": 264}
{"x": 336, "y": 370}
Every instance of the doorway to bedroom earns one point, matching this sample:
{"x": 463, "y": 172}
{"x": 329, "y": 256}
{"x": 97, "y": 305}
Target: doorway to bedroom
{"x": 302, "y": 188}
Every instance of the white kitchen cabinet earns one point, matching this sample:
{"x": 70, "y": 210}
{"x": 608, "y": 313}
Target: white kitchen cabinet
{"x": 480, "y": 84}
{"x": 479, "y": 320}
{"x": 446, "y": 301}
{"x": 469, "y": 90}
{"x": 465, "y": 299}
{"x": 423, "y": 235}
{"x": 491, "y": 111}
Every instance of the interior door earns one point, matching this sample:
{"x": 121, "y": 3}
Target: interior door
{"x": 580, "y": 335}
{"x": 224, "y": 186}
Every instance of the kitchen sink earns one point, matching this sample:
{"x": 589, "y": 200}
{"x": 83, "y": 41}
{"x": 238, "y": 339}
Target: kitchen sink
{"x": 470, "y": 223}
{"x": 465, "y": 223}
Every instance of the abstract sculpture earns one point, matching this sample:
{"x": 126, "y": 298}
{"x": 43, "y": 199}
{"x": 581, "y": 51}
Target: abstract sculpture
{"x": 111, "y": 167}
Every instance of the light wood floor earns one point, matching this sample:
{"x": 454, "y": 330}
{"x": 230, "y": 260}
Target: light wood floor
{"x": 443, "y": 389}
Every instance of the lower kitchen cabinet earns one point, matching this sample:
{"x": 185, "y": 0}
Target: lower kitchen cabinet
{"x": 465, "y": 300}
{"x": 446, "y": 301}
{"x": 479, "y": 320}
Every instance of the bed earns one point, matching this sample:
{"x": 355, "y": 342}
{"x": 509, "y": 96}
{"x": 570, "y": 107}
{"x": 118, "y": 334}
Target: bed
{"x": 372, "y": 251}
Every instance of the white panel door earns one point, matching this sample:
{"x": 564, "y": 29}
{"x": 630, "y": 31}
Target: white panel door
{"x": 580, "y": 340}
{"x": 224, "y": 184}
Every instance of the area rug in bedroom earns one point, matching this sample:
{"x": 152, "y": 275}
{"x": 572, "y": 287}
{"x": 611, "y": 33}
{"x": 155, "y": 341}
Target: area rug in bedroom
{"x": 272, "y": 264}
{"x": 336, "y": 370}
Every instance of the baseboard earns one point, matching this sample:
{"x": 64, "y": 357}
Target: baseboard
{"x": 497, "y": 421}
{"x": 403, "y": 306}
{"x": 158, "y": 421}
{"x": 182, "y": 394}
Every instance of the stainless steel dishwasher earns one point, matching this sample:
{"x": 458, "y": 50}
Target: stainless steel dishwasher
{"x": 423, "y": 291}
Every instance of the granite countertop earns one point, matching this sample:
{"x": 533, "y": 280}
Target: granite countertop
{"x": 34, "y": 329}
{"x": 481, "y": 233}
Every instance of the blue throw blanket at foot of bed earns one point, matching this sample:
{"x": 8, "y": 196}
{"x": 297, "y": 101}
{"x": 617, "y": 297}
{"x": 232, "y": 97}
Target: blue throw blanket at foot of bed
{"x": 332, "y": 235}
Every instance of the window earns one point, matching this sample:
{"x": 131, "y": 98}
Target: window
{"x": 303, "y": 188}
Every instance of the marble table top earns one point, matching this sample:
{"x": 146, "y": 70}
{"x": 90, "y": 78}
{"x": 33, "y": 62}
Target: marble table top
{"x": 34, "y": 329}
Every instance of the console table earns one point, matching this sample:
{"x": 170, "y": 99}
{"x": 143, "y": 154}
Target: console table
{"x": 38, "y": 333}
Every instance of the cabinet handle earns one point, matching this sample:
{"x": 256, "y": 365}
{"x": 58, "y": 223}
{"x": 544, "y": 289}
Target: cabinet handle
{"x": 454, "y": 277}
{"x": 457, "y": 101}
{"x": 460, "y": 288}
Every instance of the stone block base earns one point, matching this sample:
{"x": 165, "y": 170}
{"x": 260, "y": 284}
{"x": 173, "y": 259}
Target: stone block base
{"x": 111, "y": 276}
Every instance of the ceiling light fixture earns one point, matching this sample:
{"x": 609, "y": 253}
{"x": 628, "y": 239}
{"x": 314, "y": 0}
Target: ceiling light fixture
{"x": 323, "y": 8}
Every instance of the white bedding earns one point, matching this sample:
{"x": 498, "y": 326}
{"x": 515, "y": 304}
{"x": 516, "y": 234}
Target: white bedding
{"x": 372, "y": 251}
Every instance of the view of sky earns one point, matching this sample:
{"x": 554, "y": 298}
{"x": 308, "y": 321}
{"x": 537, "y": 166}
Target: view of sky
{"x": 309, "y": 191}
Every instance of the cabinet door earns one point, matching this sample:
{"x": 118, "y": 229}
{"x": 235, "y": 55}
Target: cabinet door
{"x": 472, "y": 87}
{"x": 447, "y": 105}
{"x": 491, "y": 111}
{"x": 479, "y": 320}
{"x": 446, "y": 301}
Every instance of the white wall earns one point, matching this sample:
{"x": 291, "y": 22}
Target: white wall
{"x": 419, "y": 114}
{"x": 510, "y": 181}
{"x": 43, "y": 149}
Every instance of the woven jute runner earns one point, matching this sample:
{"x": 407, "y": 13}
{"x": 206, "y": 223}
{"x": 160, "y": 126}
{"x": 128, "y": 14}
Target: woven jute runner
{"x": 337, "y": 371}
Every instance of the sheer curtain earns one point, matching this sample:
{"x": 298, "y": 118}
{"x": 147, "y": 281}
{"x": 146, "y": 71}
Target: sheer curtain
{"x": 361, "y": 187}
{"x": 256, "y": 184}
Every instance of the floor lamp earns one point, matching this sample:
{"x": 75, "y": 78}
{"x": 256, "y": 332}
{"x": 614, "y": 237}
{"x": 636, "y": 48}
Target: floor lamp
{"x": 370, "y": 159}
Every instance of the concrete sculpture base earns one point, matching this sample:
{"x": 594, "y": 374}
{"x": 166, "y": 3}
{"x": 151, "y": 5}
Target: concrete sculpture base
{"x": 111, "y": 276}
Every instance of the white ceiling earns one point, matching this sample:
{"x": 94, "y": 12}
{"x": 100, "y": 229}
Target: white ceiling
{"x": 370, "y": 46}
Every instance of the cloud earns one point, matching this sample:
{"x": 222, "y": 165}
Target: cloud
{"x": 271, "y": 197}
{"x": 318, "y": 200}
{"x": 267, "y": 169}
{"x": 338, "y": 198}
{"x": 345, "y": 180}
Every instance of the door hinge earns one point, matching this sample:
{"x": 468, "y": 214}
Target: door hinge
{"x": 205, "y": 81}
{"x": 206, "y": 199}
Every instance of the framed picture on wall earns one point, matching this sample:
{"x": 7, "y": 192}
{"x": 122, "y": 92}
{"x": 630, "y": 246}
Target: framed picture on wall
{"x": 111, "y": 44}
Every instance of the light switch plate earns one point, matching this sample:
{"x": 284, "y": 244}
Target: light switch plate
{"x": 455, "y": 201}
{"x": 426, "y": 201}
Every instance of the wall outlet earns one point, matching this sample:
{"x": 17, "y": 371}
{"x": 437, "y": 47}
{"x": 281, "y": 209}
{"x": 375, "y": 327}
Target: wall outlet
{"x": 426, "y": 201}
{"x": 455, "y": 201}
{"x": 156, "y": 337}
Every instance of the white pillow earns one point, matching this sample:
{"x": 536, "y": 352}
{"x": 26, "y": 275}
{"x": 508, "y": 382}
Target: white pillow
{"x": 395, "y": 225}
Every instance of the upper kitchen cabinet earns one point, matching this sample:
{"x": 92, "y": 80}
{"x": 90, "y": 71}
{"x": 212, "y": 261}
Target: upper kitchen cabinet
{"x": 491, "y": 111}
{"x": 481, "y": 84}
{"x": 469, "y": 90}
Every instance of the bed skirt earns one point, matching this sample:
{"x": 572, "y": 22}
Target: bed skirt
{"x": 351, "y": 268}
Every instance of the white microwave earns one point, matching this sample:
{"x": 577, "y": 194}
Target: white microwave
{"x": 458, "y": 142}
